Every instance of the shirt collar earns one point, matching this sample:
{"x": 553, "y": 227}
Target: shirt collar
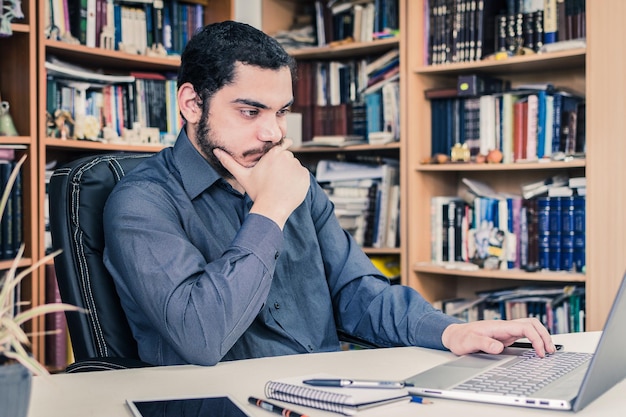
{"x": 195, "y": 171}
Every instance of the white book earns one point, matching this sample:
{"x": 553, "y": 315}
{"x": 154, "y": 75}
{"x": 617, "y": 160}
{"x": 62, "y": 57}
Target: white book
{"x": 334, "y": 88}
{"x": 389, "y": 179}
{"x": 358, "y": 22}
{"x": 507, "y": 127}
{"x": 531, "y": 136}
{"x": 394, "y": 215}
{"x": 382, "y": 61}
{"x": 391, "y": 110}
{"x": 367, "y": 27}
{"x": 91, "y": 24}
{"x": 487, "y": 124}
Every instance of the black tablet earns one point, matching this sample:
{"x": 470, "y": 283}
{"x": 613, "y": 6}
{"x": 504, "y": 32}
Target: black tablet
{"x": 187, "y": 407}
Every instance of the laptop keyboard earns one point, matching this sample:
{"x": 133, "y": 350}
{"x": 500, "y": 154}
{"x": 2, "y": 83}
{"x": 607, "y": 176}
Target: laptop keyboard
{"x": 525, "y": 375}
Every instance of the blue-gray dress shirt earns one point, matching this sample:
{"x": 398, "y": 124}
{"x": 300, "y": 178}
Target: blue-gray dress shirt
{"x": 202, "y": 280}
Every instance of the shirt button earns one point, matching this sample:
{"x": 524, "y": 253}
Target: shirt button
{"x": 277, "y": 305}
{"x": 310, "y": 348}
{"x": 276, "y": 255}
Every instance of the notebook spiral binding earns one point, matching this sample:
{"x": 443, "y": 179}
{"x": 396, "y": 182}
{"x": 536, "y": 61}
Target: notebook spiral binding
{"x": 309, "y": 397}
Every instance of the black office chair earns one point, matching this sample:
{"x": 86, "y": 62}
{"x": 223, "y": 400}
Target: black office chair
{"x": 101, "y": 338}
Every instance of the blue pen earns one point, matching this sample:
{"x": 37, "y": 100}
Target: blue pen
{"x": 420, "y": 400}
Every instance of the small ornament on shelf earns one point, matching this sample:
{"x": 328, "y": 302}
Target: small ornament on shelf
{"x": 7, "y": 128}
{"x": 11, "y": 9}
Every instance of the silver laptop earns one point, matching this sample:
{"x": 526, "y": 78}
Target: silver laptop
{"x": 563, "y": 380}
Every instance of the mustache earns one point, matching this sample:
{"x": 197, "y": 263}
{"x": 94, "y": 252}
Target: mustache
{"x": 265, "y": 148}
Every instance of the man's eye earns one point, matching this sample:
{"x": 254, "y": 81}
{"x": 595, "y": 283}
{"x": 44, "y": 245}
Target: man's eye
{"x": 250, "y": 112}
{"x": 284, "y": 112}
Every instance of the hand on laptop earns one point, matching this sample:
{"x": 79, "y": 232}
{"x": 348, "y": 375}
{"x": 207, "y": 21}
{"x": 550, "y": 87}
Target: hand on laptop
{"x": 492, "y": 336}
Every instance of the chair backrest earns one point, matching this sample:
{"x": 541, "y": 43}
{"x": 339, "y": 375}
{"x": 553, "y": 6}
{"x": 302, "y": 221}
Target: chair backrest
{"x": 77, "y": 193}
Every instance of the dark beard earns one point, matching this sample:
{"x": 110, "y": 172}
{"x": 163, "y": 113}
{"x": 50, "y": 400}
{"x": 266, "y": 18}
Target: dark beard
{"x": 207, "y": 144}
{"x": 203, "y": 136}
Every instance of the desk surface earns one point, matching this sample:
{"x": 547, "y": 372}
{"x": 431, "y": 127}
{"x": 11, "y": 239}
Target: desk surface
{"x": 104, "y": 393}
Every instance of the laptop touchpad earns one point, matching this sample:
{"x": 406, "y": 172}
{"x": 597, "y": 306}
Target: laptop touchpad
{"x": 451, "y": 373}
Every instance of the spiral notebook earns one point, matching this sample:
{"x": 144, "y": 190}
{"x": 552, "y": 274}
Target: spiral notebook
{"x": 345, "y": 401}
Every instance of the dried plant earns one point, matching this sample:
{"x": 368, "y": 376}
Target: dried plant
{"x": 13, "y": 340}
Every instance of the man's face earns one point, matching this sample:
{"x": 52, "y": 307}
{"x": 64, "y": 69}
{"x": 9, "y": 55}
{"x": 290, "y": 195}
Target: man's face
{"x": 247, "y": 117}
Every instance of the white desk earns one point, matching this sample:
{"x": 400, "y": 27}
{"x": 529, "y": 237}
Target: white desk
{"x": 104, "y": 393}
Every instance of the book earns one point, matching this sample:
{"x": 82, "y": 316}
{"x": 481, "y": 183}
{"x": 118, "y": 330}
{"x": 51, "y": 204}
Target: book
{"x": 56, "y": 327}
{"x": 347, "y": 401}
{"x": 336, "y": 140}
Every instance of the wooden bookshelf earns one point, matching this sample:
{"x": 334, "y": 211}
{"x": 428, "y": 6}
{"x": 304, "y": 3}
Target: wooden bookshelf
{"x": 23, "y": 83}
{"x": 595, "y": 71}
{"x": 18, "y": 78}
{"x": 44, "y": 148}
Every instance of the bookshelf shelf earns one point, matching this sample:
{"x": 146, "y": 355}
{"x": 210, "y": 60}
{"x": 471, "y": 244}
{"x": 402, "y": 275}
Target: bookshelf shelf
{"x": 517, "y": 64}
{"x": 382, "y": 251}
{"x": 429, "y": 268}
{"x": 24, "y": 262}
{"x": 99, "y": 146}
{"x": 346, "y": 50}
{"x": 20, "y": 28}
{"x": 530, "y": 166}
{"x": 395, "y": 146}
{"x": 15, "y": 140}
{"x": 104, "y": 58}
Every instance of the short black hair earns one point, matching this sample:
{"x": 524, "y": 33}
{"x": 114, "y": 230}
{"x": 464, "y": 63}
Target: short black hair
{"x": 209, "y": 58}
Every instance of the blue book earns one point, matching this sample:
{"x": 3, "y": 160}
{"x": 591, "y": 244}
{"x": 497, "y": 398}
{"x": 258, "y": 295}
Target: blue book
{"x": 541, "y": 123}
{"x": 17, "y": 212}
{"x": 117, "y": 19}
{"x": 149, "y": 11}
{"x": 373, "y": 103}
{"x": 167, "y": 29}
{"x": 6, "y": 225}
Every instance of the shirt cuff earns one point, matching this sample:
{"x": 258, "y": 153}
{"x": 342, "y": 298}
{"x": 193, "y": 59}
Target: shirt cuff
{"x": 431, "y": 327}
{"x": 261, "y": 236}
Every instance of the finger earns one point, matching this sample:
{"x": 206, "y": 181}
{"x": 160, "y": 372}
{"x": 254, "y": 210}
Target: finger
{"x": 229, "y": 162}
{"x": 489, "y": 345}
{"x": 287, "y": 143}
{"x": 541, "y": 339}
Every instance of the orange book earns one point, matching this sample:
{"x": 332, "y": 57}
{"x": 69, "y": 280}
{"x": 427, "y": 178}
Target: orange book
{"x": 520, "y": 123}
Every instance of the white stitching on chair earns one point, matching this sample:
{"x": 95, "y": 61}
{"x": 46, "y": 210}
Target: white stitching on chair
{"x": 78, "y": 241}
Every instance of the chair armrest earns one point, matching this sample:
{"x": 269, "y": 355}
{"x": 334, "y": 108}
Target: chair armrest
{"x": 347, "y": 338}
{"x": 105, "y": 364}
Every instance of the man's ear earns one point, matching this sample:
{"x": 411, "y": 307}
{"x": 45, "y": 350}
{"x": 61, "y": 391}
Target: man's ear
{"x": 188, "y": 103}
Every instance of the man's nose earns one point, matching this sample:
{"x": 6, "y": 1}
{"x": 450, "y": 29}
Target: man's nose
{"x": 270, "y": 130}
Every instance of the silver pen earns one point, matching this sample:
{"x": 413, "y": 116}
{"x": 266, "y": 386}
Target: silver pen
{"x": 355, "y": 383}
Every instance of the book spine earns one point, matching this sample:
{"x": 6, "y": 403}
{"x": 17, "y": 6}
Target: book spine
{"x": 56, "y": 339}
{"x": 6, "y": 225}
{"x": 17, "y": 201}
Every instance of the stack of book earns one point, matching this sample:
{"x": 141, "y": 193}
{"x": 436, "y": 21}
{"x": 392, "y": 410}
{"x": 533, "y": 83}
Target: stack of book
{"x": 463, "y": 31}
{"x": 560, "y": 308}
{"x": 354, "y": 97}
{"x": 539, "y": 122}
{"x": 355, "y": 20}
{"x": 504, "y": 231}
{"x": 366, "y": 198}
{"x": 136, "y": 26}
{"x": 121, "y": 103}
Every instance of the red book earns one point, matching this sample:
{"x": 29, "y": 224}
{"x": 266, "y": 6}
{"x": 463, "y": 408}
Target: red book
{"x": 520, "y": 123}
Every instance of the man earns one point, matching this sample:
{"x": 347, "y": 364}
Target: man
{"x": 224, "y": 247}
